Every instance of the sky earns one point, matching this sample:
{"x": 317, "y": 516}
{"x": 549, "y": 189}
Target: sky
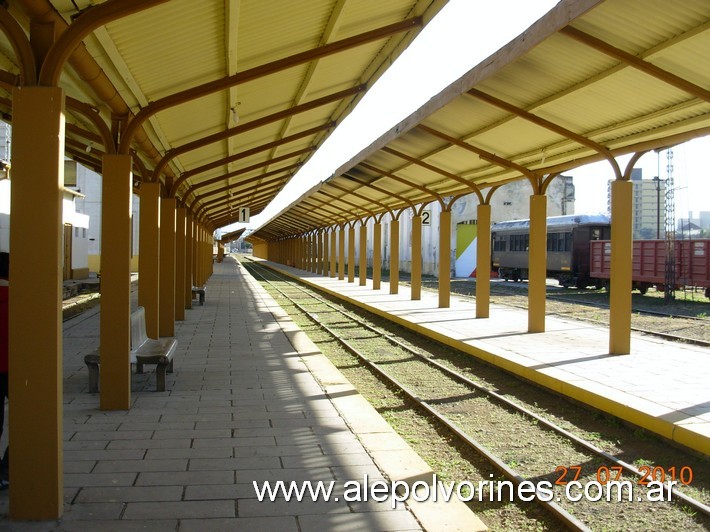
{"x": 691, "y": 178}
{"x": 419, "y": 73}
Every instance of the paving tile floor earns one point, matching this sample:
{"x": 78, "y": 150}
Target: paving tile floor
{"x": 240, "y": 407}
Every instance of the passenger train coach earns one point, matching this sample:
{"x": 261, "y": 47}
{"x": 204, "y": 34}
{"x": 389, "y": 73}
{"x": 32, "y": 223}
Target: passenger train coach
{"x": 579, "y": 254}
{"x": 568, "y": 240}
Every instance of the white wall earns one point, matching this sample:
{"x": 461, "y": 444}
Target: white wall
{"x": 510, "y": 202}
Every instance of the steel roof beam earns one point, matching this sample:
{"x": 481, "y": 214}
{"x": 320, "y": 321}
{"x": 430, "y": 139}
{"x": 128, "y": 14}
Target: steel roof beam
{"x": 254, "y": 124}
{"x": 221, "y": 202}
{"x": 248, "y": 169}
{"x": 403, "y": 181}
{"x": 249, "y": 152}
{"x": 379, "y": 189}
{"x": 635, "y": 62}
{"x": 483, "y": 154}
{"x": 432, "y": 168}
{"x": 245, "y": 182}
{"x": 357, "y": 195}
{"x": 261, "y": 71}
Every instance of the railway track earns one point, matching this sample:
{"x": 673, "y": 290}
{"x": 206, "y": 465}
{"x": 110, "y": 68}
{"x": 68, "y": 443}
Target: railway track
{"x": 512, "y": 438}
{"x": 674, "y": 326}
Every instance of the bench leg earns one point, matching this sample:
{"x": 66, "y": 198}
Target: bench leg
{"x": 92, "y": 364}
{"x": 93, "y": 377}
{"x": 160, "y": 376}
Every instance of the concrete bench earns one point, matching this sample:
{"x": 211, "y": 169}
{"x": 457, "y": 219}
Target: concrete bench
{"x": 199, "y": 291}
{"x": 144, "y": 350}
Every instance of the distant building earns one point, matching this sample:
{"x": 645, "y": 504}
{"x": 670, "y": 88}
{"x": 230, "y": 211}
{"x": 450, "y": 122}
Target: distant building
{"x": 81, "y": 213}
{"x": 510, "y": 202}
{"x": 649, "y": 206}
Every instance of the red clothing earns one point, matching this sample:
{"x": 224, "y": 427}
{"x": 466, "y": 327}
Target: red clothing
{"x": 4, "y": 327}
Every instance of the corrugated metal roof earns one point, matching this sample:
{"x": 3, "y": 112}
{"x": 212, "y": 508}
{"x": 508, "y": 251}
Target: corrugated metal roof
{"x": 182, "y": 44}
{"x": 589, "y": 78}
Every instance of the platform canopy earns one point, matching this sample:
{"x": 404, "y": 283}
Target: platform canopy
{"x": 589, "y": 81}
{"x": 233, "y": 96}
{"x": 231, "y": 236}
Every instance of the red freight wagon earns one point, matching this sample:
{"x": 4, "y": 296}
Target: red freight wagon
{"x": 692, "y": 263}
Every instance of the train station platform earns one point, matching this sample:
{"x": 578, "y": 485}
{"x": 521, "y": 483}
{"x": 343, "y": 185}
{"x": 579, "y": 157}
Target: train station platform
{"x": 251, "y": 400}
{"x": 661, "y": 386}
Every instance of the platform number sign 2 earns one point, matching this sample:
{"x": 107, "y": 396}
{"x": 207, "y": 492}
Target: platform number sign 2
{"x": 243, "y": 215}
{"x": 426, "y": 217}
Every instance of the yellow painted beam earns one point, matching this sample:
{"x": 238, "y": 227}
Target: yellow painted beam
{"x": 341, "y": 253}
{"x": 333, "y": 251}
{"x": 180, "y": 245}
{"x": 537, "y": 263}
{"x": 363, "y": 255}
{"x": 483, "y": 261}
{"x": 189, "y": 249}
{"x": 621, "y": 268}
{"x": 148, "y": 259}
{"x": 166, "y": 322}
{"x": 394, "y": 257}
{"x": 416, "y": 258}
{"x": 377, "y": 256}
{"x": 35, "y": 317}
{"x": 351, "y": 254}
{"x": 115, "y": 317}
{"x": 326, "y": 254}
{"x": 445, "y": 259}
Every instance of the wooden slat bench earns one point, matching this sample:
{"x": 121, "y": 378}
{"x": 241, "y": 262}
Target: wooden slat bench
{"x": 144, "y": 350}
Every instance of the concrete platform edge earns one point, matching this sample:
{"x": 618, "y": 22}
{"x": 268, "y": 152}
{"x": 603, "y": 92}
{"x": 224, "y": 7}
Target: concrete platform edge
{"x": 392, "y": 454}
{"x": 685, "y": 435}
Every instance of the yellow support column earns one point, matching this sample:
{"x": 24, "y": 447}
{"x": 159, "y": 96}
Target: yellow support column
{"x": 115, "y": 317}
{"x": 483, "y": 262}
{"x": 180, "y": 246}
{"x": 377, "y": 256}
{"x": 394, "y": 257}
{"x": 341, "y": 253}
{"x": 35, "y": 328}
{"x": 416, "y": 258}
{"x": 166, "y": 323}
{"x": 537, "y": 263}
{"x": 621, "y": 268}
{"x": 324, "y": 265}
{"x": 148, "y": 258}
{"x": 362, "y": 270}
{"x": 299, "y": 253}
{"x": 333, "y": 245}
{"x": 189, "y": 250}
{"x": 445, "y": 259}
{"x": 351, "y": 254}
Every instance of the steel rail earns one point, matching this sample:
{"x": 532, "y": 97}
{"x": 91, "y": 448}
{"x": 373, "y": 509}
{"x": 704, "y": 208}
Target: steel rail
{"x": 585, "y": 444}
{"x": 560, "y": 513}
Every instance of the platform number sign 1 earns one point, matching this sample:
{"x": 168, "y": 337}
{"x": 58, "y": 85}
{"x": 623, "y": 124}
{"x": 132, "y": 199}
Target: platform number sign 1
{"x": 243, "y": 215}
{"x": 426, "y": 217}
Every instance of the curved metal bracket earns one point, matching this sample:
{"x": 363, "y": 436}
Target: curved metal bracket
{"x": 21, "y": 46}
{"x": 68, "y": 41}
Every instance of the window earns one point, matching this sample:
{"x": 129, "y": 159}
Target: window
{"x": 519, "y": 242}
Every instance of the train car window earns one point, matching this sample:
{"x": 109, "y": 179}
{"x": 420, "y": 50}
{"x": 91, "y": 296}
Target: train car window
{"x": 596, "y": 234}
{"x": 568, "y": 241}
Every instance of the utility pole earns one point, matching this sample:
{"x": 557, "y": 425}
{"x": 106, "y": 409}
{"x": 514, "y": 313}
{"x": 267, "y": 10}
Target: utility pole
{"x": 669, "y": 289}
